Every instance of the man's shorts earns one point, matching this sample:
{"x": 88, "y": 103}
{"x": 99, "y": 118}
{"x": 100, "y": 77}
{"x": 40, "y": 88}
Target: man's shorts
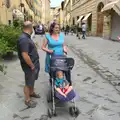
{"x": 31, "y": 76}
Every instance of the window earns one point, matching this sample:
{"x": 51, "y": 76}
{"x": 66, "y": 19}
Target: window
{"x": 8, "y": 3}
{"x": 9, "y": 22}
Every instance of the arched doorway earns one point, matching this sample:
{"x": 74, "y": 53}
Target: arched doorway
{"x": 100, "y": 20}
{"x": 73, "y": 21}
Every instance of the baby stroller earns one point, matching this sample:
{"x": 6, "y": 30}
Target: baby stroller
{"x": 64, "y": 64}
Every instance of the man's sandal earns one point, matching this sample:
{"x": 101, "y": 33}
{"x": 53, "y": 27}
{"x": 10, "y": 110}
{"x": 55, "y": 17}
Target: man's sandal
{"x": 35, "y": 95}
{"x": 31, "y": 104}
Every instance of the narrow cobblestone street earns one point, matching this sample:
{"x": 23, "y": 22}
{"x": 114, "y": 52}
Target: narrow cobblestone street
{"x": 95, "y": 79}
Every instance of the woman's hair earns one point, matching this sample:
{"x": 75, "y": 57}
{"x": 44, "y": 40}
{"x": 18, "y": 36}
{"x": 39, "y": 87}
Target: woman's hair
{"x": 52, "y": 26}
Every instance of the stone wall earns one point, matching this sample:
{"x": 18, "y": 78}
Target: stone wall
{"x": 5, "y": 15}
{"x": 107, "y": 27}
{"x": 84, "y": 7}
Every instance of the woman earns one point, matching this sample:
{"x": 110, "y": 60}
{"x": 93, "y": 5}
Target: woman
{"x": 54, "y": 43}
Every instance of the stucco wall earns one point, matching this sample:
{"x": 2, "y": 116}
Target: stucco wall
{"x": 5, "y": 15}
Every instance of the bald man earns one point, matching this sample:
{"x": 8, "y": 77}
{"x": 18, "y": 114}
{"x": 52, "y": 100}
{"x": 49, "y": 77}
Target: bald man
{"x": 29, "y": 60}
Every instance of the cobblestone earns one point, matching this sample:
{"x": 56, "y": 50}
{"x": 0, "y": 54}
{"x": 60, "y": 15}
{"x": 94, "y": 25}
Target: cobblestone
{"x": 93, "y": 92}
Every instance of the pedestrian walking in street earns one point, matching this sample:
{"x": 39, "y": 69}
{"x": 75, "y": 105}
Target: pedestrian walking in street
{"x": 78, "y": 31}
{"x": 84, "y": 30}
{"x": 56, "y": 45}
{"x": 29, "y": 60}
{"x": 67, "y": 30}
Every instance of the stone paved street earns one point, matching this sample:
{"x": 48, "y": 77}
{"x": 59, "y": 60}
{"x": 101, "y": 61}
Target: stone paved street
{"x": 95, "y": 79}
{"x": 102, "y": 55}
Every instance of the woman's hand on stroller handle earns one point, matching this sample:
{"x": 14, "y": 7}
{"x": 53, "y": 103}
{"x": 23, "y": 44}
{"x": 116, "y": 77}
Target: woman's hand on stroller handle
{"x": 65, "y": 52}
{"x": 51, "y": 51}
{"x": 65, "y": 49}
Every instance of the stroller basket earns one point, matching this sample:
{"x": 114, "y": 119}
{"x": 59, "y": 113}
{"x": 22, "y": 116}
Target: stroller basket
{"x": 61, "y": 63}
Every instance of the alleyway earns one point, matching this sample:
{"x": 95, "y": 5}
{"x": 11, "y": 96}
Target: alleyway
{"x": 95, "y": 78}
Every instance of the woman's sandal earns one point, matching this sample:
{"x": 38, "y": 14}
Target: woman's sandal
{"x": 35, "y": 95}
{"x": 31, "y": 104}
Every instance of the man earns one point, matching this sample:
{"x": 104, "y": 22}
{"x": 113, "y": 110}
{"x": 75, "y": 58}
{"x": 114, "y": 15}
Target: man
{"x": 84, "y": 30}
{"x": 29, "y": 60}
{"x": 67, "y": 29}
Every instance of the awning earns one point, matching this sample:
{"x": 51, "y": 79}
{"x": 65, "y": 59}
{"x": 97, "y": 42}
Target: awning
{"x": 80, "y": 19}
{"x": 112, "y": 5}
{"x": 86, "y": 17}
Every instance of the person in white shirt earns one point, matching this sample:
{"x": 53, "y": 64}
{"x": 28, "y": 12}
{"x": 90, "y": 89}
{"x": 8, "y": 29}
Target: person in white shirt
{"x": 33, "y": 34}
{"x": 84, "y": 30}
{"x": 41, "y": 27}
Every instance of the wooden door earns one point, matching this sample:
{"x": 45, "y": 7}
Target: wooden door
{"x": 100, "y": 25}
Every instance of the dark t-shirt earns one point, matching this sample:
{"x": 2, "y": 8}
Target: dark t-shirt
{"x": 25, "y": 44}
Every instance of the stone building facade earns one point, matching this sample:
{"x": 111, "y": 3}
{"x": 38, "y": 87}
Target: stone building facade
{"x": 34, "y": 10}
{"x": 10, "y": 10}
{"x": 67, "y": 12}
{"x": 36, "y": 7}
{"x": 52, "y": 13}
{"x": 111, "y": 12}
{"x": 45, "y": 12}
{"x": 89, "y": 11}
{"x": 56, "y": 13}
{"x": 5, "y": 14}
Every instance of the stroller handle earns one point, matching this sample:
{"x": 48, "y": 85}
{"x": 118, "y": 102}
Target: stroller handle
{"x": 63, "y": 51}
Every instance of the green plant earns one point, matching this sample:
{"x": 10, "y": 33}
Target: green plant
{"x": 4, "y": 48}
{"x": 3, "y": 51}
{"x": 8, "y": 38}
{"x": 17, "y": 23}
{"x": 3, "y": 69}
{"x": 8, "y": 42}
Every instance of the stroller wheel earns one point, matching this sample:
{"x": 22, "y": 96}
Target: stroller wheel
{"x": 50, "y": 113}
{"x": 74, "y": 111}
{"x": 54, "y": 113}
{"x": 77, "y": 112}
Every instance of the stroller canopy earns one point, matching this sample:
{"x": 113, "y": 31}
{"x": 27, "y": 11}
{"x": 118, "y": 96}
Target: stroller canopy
{"x": 61, "y": 63}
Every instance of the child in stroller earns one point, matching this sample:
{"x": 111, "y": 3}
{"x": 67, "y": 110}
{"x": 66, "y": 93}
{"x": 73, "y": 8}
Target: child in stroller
{"x": 62, "y": 86}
